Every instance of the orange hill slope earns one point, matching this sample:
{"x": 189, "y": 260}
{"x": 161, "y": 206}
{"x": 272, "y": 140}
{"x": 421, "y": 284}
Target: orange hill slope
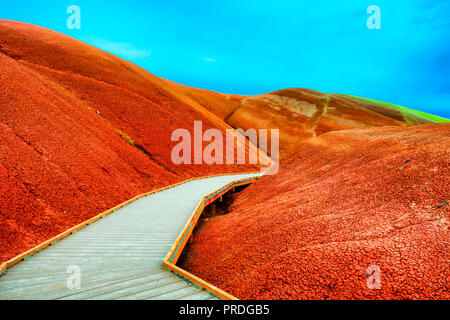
{"x": 340, "y": 203}
{"x": 301, "y": 114}
{"x": 81, "y": 131}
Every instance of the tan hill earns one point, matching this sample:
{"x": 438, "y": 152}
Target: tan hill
{"x": 301, "y": 114}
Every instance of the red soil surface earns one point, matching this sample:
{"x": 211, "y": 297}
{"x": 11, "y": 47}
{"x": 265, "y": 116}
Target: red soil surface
{"x": 340, "y": 203}
{"x": 82, "y": 131}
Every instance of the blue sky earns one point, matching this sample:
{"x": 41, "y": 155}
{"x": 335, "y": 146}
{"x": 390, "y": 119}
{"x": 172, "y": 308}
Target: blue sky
{"x": 252, "y": 47}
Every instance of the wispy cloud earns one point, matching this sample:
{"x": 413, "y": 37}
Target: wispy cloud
{"x": 121, "y": 49}
{"x": 209, "y": 59}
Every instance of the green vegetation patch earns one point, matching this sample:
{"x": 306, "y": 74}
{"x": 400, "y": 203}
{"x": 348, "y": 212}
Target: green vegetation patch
{"x": 410, "y": 116}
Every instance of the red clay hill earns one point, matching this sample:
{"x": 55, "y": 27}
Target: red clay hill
{"x": 341, "y": 202}
{"x": 81, "y": 131}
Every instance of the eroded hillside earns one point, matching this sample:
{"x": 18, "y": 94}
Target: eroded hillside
{"x": 341, "y": 203}
{"x": 81, "y": 131}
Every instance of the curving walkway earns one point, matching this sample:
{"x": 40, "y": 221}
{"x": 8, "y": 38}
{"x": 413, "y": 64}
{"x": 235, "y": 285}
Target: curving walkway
{"x": 119, "y": 256}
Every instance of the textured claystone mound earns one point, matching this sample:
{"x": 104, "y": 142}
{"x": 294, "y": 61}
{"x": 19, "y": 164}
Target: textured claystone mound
{"x": 341, "y": 203}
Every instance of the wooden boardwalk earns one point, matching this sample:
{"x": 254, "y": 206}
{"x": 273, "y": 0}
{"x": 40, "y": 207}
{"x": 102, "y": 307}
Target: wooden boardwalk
{"x": 119, "y": 256}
